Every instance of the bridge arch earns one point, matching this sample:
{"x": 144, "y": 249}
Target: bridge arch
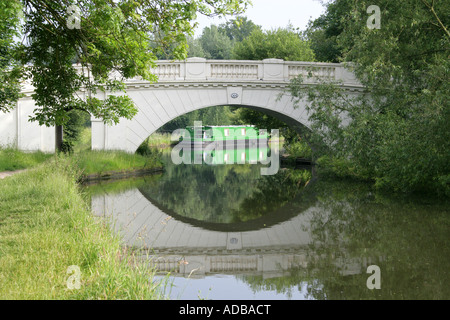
{"x": 158, "y": 106}
{"x": 197, "y": 83}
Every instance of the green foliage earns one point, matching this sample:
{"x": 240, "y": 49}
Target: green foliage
{"x": 216, "y": 44}
{"x": 10, "y": 68}
{"x": 337, "y": 167}
{"x": 398, "y": 134}
{"x": 195, "y": 48}
{"x": 324, "y": 31}
{"x": 84, "y": 141}
{"x": 298, "y": 148}
{"x": 73, "y": 129}
{"x": 12, "y": 159}
{"x": 155, "y": 141}
{"x": 121, "y": 37}
{"x": 282, "y": 43}
{"x": 239, "y": 29}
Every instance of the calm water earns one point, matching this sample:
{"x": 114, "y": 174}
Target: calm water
{"x": 226, "y": 232}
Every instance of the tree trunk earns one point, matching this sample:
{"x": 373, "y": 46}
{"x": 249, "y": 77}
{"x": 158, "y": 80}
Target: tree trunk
{"x": 58, "y": 138}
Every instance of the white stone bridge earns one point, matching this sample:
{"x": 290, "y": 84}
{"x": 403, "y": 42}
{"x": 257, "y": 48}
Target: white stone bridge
{"x": 185, "y": 86}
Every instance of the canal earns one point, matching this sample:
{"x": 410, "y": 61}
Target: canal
{"x": 226, "y": 232}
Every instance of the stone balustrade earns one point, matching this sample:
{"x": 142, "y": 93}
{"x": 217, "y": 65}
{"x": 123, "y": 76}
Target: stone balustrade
{"x": 272, "y": 70}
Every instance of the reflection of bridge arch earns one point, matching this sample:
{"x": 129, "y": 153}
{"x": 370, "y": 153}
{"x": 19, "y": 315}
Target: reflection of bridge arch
{"x": 185, "y": 249}
{"x": 141, "y": 223}
{"x": 144, "y": 225}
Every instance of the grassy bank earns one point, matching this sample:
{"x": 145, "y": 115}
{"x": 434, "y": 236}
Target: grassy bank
{"x": 88, "y": 162}
{"x": 45, "y": 227}
{"x": 12, "y": 159}
{"x": 105, "y": 162}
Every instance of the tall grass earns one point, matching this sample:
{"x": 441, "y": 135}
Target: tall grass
{"x": 12, "y": 159}
{"x": 98, "y": 162}
{"x": 89, "y": 162}
{"x": 159, "y": 140}
{"x": 46, "y": 226}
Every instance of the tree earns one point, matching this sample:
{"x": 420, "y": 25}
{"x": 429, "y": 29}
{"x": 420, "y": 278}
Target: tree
{"x": 282, "y": 43}
{"x": 215, "y": 43}
{"x": 239, "y": 29}
{"x": 398, "y": 133}
{"x": 323, "y": 32}
{"x": 103, "y": 37}
{"x": 195, "y": 48}
{"x": 10, "y": 70}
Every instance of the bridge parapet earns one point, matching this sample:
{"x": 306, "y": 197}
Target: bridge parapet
{"x": 271, "y": 70}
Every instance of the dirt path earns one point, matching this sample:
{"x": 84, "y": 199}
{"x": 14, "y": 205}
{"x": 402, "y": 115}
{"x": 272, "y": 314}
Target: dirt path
{"x": 6, "y": 174}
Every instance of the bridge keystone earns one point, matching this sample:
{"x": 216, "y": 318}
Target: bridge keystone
{"x": 234, "y": 95}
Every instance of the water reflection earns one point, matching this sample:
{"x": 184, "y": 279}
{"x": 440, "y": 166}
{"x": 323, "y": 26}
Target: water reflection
{"x": 278, "y": 238}
{"x": 239, "y": 154}
{"x": 236, "y": 197}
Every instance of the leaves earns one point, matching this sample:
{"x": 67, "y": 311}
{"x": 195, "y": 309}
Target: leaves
{"x": 115, "y": 37}
{"x": 10, "y": 69}
{"x": 397, "y": 134}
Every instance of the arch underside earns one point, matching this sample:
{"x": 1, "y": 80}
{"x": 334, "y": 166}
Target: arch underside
{"x": 158, "y": 106}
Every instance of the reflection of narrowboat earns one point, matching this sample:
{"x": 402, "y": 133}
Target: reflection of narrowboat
{"x": 238, "y": 134}
{"x": 229, "y": 156}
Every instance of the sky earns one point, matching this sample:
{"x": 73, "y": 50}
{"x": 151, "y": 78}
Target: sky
{"x": 272, "y": 14}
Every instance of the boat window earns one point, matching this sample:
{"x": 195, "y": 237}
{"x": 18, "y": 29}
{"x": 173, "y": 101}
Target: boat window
{"x": 243, "y": 132}
{"x": 227, "y": 132}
